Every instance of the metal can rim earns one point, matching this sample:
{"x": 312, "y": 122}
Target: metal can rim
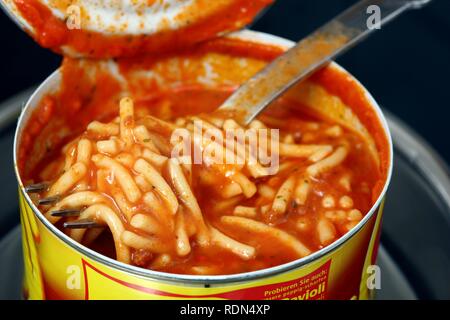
{"x": 263, "y": 38}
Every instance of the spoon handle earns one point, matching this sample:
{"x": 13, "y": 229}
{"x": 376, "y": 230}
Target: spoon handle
{"x": 311, "y": 53}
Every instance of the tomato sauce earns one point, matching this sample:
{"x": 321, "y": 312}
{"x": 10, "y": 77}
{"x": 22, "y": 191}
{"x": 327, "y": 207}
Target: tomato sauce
{"x": 51, "y": 32}
{"x": 80, "y": 102}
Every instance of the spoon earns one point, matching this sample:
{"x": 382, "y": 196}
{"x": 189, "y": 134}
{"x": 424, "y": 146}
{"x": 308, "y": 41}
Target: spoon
{"x": 326, "y": 43}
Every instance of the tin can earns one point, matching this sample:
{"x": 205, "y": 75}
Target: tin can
{"x": 57, "y": 267}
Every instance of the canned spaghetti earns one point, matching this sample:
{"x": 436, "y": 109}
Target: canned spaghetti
{"x": 309, "y": 232}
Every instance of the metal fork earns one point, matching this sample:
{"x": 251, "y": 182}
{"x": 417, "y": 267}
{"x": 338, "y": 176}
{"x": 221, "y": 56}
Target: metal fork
{"x": 339, "y": 34}
{"x": 76, "y": 224}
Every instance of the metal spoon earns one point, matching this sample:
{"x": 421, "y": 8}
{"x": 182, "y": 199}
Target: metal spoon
{"x": 310, "y": 54}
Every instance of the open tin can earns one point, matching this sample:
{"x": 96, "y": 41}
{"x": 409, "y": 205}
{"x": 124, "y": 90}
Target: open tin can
{"x": 57, "y": 267}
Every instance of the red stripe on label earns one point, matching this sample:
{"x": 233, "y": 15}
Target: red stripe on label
{"x": 312, "y": 286}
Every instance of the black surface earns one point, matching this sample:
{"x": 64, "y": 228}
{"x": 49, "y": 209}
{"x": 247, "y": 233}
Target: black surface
{"x": 8, "y": 186}
{"x": 416, "y": 231}
{"x": 406, "y": 65}
{"x": 11, "y": 266}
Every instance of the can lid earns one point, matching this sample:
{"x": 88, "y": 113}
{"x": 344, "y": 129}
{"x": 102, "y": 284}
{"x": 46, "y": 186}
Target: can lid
{"x": 117, "y": 28}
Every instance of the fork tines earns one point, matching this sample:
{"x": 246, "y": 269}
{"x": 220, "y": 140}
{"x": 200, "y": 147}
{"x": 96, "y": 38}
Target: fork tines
{"x": 36, "y": 187}
{"x": 82, "y": 224}
{"x": 65, "y": 213}
{"x": 49, "y": 200}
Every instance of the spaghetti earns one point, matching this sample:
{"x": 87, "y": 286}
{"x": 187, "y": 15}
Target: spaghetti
{"x": 177, "y": 215}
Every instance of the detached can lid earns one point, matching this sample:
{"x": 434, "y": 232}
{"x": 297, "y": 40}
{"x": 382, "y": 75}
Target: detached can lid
{"x": 118, "y": 28}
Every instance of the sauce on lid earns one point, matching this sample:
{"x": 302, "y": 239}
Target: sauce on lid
{"x": 129, "y": 27}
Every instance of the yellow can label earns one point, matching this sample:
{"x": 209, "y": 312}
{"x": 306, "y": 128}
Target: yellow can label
{"x": 55, "y": 270}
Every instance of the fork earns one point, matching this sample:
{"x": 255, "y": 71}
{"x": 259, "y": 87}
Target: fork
{"x": 296, "y": 64}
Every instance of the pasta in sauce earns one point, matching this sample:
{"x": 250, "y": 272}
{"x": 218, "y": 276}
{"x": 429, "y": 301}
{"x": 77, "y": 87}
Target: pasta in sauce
{"x": 156, "y": 212}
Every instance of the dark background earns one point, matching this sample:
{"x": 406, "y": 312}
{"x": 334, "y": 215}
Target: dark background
{"x": 405, "y": 65}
